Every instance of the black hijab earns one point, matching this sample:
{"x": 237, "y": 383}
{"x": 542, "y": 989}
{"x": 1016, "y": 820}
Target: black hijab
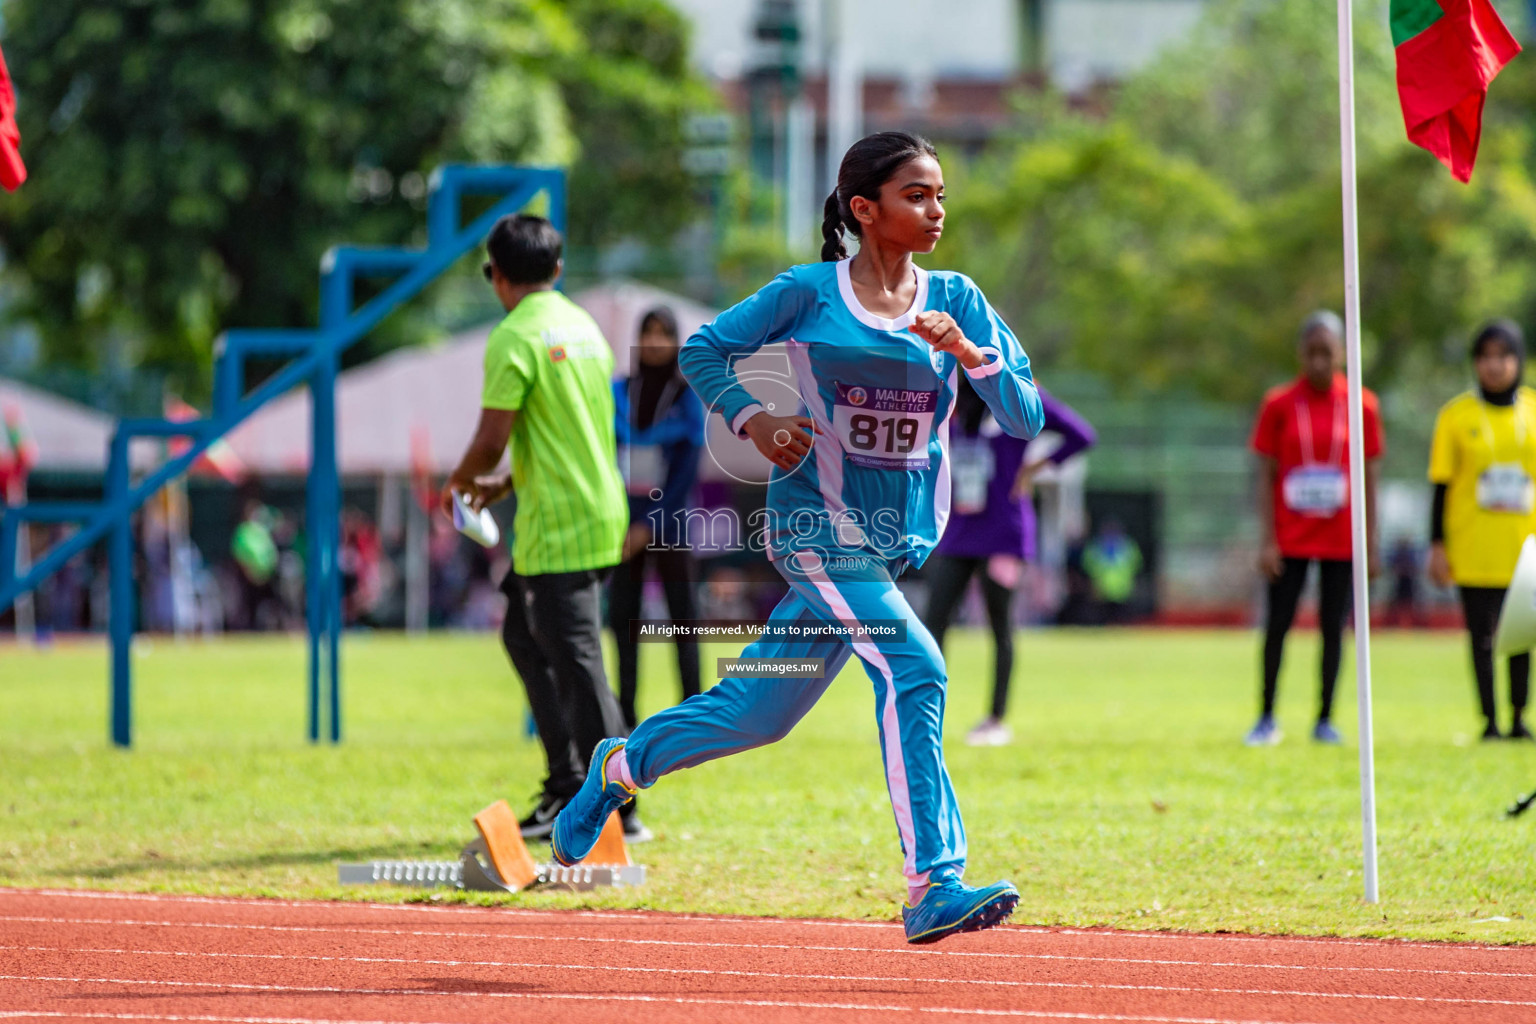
{"x": 653, "y": 389}
{"x": 1508, "y": 334}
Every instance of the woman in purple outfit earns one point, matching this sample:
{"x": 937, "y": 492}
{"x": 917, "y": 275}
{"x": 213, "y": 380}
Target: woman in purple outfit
{"x": 992, "y": 527}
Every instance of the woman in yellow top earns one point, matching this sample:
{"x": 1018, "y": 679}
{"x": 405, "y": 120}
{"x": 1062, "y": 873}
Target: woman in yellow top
{"x": 1482, "y": 462}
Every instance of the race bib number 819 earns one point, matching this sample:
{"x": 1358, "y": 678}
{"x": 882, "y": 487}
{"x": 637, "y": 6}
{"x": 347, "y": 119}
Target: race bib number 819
{"x": 884, "y": 428}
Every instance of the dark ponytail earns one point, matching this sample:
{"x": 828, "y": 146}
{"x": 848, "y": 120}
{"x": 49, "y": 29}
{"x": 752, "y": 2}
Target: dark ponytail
{"x": 832, "y": 249}
{"x": 866, "y": 167}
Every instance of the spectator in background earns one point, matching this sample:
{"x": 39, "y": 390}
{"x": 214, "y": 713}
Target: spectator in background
{"x": 17, "y": 457}
{"x": 1077, "y": 604}
{"x": 360, "y": 561}
{"x": 548, "y": 392}
{"x": 255, "y": 554}
{"x": 659, "y": 423}
{"x": 1302, "y": 441}
{"x": 1112, "y": 562}
{"x": 991, "y": 529}
{"x": 1482, "y": 460}
{"x": 1403, "y": 609}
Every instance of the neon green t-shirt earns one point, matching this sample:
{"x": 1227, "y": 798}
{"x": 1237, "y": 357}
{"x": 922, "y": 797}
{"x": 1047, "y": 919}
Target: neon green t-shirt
{"x": 549, "y": 362}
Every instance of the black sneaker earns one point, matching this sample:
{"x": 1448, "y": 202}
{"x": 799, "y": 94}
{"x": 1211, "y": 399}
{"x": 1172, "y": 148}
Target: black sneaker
{"x": 1491, "y": 732}
{"x": 636, "y": 832}
{"x": 1518, "y": 731}
{"x": 541, "y": 822}
{"x": 634, "y": 829}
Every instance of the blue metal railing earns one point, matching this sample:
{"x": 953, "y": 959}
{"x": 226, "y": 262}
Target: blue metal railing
{"x": 315, "y": 360}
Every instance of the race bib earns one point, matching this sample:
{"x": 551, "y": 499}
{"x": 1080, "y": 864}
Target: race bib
{"x": 1505, "y": 487}
{"x": 644, "y": 468}
{"x": 884, "y": 428}
{"x": 1315, "y": 490}
{"x": 971, "y": 469}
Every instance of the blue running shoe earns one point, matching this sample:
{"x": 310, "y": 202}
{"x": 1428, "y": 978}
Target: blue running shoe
{"x": 580, "y": 821}
{"x": 951, "y": 906}
{"x": 1265, "y": 734}
{"x": 1324, "y": 732}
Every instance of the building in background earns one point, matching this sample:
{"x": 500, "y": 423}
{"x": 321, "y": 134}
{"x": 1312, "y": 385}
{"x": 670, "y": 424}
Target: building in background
{"x": 809, "y": 77}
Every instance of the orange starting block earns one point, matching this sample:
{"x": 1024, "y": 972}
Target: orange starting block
{"x": 499, "y": 861}
{"x": 504, "y": 846}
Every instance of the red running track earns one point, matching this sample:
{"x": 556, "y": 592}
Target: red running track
{"x": 92, "y": 956}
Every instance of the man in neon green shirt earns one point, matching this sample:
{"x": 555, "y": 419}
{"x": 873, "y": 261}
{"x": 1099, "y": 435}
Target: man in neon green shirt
{"x": 548, "y": 393}
{"x": 1112, "y": 561}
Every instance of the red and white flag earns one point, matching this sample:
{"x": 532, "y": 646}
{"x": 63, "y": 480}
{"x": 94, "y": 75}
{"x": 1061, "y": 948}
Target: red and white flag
{"x": 12, "y": 171}
{"x": 1447, "y": 53}
{"x": 220, "y": 459}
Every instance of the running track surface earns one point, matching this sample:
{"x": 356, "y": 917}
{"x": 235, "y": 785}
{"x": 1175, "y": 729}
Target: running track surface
{"x": 92, "y": 956}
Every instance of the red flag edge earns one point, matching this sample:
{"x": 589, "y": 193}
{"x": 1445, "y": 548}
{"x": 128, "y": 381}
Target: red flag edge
{"x": 1443, "y": 75}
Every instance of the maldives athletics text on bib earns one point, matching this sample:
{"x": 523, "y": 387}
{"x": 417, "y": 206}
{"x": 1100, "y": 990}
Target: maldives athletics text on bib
{"x": 884, "y": 428}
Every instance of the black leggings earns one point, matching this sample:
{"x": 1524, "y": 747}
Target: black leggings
{"x": 675, "y": 566}
{"x": 948, "y": 578}
{"x": 1480, "y": 606}
{"x": 553, "y": 633}
{"x": 1332, "y": 607}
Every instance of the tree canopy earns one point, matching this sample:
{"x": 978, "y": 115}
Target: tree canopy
{"x": 192, "y": 159}
{"x": 1177, "y": 243}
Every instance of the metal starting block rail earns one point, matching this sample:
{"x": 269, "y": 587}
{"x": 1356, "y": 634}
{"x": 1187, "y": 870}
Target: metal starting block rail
{"x": 499, "y": 861}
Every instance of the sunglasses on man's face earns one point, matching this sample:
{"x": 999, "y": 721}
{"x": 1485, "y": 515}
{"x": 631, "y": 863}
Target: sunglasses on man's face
{"x": 486, "y": 270}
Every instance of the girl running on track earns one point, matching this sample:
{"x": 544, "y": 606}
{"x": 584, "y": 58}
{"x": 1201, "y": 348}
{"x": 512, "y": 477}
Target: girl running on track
{"x": 859, "y": 491}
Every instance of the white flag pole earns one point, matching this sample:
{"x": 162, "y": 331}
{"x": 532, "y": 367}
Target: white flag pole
{"x": 1357, "y": 448}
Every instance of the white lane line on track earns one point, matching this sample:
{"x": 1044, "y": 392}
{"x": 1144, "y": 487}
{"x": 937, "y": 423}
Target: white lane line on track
{"x": 641, "y": 916}
{"x": 665, "y": 1000}
{"x": 897, "y": 951}
{"x": 604, "y": 968}
{"x": 423, "y": 908}
{"x": 51, "y": 1014}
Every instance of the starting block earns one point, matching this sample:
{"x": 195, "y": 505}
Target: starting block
{"x": 499, "y": 861}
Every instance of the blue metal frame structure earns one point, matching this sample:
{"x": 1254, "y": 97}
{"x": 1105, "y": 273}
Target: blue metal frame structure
{"x": 316, "y": 354}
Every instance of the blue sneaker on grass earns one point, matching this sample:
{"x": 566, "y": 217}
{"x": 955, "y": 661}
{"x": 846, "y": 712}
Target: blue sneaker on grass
{"x": 951, "y": 906}
{"x": 1324, "y": 732}
{"x": 1265, "y": 734}
{"x": 582, "y": 819}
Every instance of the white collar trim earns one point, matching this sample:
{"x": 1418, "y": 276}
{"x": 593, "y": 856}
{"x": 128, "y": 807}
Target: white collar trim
{"x": 880, "y": 323}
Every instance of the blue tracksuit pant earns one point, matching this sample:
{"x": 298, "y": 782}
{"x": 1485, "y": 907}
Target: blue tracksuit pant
{"x": 909, "y": 681}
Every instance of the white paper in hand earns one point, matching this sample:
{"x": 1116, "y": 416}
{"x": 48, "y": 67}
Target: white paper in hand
{"x": 479, "y": 527}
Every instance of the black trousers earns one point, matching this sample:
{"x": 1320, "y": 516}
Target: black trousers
{"x": 947, "y": 580}
{"x": 1480, "y": 606}
{"x": 1334, "y": 578}
{"x": 553, "y": 634}
{"x": 675, "y": 567}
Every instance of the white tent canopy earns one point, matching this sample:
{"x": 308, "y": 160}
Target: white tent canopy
{"x": 426, "y": 398}
{"x": 70, "y": 437}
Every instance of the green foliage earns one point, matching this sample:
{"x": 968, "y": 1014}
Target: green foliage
{"x": 192, "y": 159}
{"x": 752, "y": 248}
{"x": 629, "y": 91}
{"x": 1128, "y": 799}
{"x": 1176, "y": 243}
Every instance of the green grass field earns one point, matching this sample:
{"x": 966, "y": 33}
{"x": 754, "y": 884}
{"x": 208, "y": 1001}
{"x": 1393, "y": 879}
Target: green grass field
{"x": 1126, "y": 800}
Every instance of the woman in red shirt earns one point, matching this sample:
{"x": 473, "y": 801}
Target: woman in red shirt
{"x": 1302, "y": 439}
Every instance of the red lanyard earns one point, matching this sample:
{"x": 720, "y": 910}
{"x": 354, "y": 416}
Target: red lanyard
{"x": 1304, "y": 434}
